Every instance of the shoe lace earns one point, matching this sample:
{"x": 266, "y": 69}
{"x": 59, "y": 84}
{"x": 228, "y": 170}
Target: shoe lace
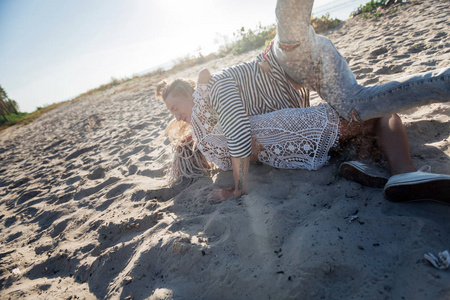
{"x": 426, "y": 169}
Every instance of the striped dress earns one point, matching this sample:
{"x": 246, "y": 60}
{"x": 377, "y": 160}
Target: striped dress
{"x": 246, "y": 90}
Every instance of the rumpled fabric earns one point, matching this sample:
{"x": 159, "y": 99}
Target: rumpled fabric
{"x": 441, "y": 262}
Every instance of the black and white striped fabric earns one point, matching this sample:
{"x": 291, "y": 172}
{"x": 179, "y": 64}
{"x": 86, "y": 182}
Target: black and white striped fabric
{"x": 246, "y": 90}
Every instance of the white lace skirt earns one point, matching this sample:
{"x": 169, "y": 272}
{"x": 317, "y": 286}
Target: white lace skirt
{"x": 296, "y": 138}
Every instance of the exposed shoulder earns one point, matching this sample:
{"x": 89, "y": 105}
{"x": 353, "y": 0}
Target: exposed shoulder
{"x": 204, "y": 76}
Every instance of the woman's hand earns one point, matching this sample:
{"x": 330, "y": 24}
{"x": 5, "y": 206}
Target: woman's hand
{"x": 220, "y": 195}
{"x": 204, "y": 76}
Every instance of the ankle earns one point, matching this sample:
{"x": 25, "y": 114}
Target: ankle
{"x": 402, "y": 170}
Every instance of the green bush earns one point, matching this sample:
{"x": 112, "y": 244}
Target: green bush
{"x": 324, "y": 23}
{"x": 8, "y": 107}
{"x": 252, "y": 39}
{"x": 369, "y": 7}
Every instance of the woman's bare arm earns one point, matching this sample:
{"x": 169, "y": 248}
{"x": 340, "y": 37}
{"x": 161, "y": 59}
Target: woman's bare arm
{"x": 240, "y": 171}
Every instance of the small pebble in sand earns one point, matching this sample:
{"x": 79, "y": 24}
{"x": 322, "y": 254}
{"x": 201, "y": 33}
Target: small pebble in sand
{"x": 127, "y": 280}
{"x": 16, "y": 271}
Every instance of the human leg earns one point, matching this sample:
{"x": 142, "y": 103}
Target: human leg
{"x": 295, "y": 43}
{"x": 405, "y": 183}
{"x": 313, "y": 61}
{"x": 256, "y": 147}
{"x": 338, "y": 86}
{"x": 362, "y": 137}
{"x": 393, "y": 140}
{"x": 391, "y": 137}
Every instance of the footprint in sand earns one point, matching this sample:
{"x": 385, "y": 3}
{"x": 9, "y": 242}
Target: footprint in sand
{"x": 114, "y": 152}
{"x": 110, "y": 233}
{"x": 97, "y": 173}
{"x": 392, "y": 69}
{"x": 420, "y": 32}
{"x": 141, "y": 126}
{"x": 59, "y": 227}
{"x": 416, "y": 48}
{"x": 42, "y": 248}
{"x": 134, "y": 151}
{"x": 147, "y": 141}
{"x": 64, "y": 198}
{"x": 28, "y": 196}
{"x": 90, "y": 191}
{"x": 118, "y": 190}
{"x": 138, "y": 196}
{"x": 145, "y": 158}
{"x": 28, "y": 212}
{"x": 59, "y": 264}
{"x": 362, "y": 73}
{"x": 14, "y": 236}
{"x": 10, "y": 221}
{"x": 440, "y": 35}
{"x": 371, "y": 81}
{"x": 379, "y": 51}
{"x": 132, "y": 169}
{"x": 164, "y": 194}
{"x": 79, "y": 152}
{"x": 19, "y": 183}
{"x": 152, "y": 172}
{"x": 53, "y": 145}
{"x": 73, "y": 180}
{"x": 47, "y": 218}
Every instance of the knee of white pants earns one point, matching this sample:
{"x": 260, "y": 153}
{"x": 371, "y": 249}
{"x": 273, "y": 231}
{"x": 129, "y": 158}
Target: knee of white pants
{"x": 294, "y": 10}
{"x": 297, "y": 49}
{"x": 293, "y": 19}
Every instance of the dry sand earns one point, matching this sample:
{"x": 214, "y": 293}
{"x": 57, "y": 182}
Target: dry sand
{"x": 83, "y": 214}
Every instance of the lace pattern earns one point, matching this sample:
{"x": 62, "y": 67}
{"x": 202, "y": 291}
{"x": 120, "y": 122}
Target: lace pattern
{"x": 293, "y": 138}
{"x": 206, "y": 130}
{"x": 296, "y": 138}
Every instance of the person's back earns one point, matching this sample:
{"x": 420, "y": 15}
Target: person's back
{"x": 247, "y": 90}
{"x": 260, "y": 91}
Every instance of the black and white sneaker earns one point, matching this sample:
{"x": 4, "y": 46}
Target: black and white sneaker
{"x": 419, "y": 185}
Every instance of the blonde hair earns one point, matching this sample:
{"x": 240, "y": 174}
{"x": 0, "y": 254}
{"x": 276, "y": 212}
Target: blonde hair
{"x": 180, "y": 87}
{"x": 188, "y": 161}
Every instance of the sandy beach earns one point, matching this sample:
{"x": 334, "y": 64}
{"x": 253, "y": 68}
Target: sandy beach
{"x": 85, "y": 213}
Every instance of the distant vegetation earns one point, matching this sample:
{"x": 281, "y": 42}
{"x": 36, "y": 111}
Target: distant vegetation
{"x": 324, "y": 23}
{"x": 9, "y": 110}
{"x": 371, "y": 8}
{"x": 10, "y": 114}
{"x": 250, "y": 39}
{"x": 245, "y": 40}
{"x": 253, "y": 39}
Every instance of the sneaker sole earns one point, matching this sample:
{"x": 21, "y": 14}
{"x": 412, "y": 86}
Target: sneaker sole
{"x": 435, "y": 190}
{"x": 352, "y": 173}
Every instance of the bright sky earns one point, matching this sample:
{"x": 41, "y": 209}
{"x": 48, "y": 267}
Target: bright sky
{"x": 54, "y": 50}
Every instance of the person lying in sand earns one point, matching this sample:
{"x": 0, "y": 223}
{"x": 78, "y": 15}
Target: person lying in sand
{"x": 299, "y": 60}
{"x": 291, "y": 138}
